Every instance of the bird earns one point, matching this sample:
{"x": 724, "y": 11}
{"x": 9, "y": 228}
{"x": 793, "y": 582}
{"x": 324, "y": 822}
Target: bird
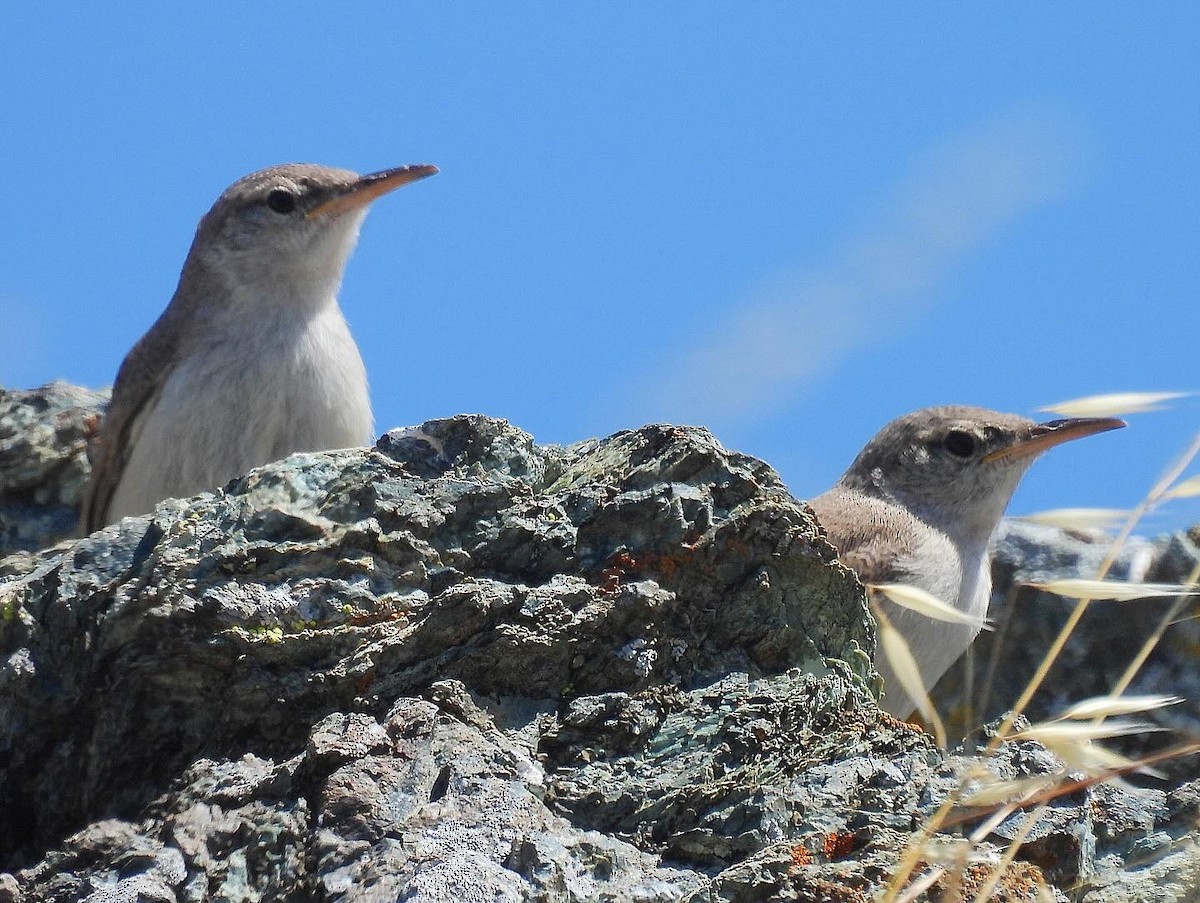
{"x": 920, "y": 505}
{"x": 252, "y": 358}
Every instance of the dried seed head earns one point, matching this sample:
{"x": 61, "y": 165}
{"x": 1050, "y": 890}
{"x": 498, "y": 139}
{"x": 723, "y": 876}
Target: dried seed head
{"x": 1079, "y": 518}
{"x": 916, "y": 599}
{"x": 1114, "y": 404}
{"x": 1117, "y": 590}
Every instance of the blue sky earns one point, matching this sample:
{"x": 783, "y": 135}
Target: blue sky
{"x": 789, "y": 224}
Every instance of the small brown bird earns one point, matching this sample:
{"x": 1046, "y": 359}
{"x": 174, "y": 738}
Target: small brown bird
{"x": 919, "y": 506}
{"x": 252, "y": 359}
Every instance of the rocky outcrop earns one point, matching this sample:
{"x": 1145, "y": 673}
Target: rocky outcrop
{"x": 463, "y": 666}
{"x": 43, "y": 463}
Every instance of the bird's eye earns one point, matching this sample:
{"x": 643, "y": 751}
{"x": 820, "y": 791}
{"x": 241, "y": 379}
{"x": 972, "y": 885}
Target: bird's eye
{"x": 281, "y": 201}
{"x": 959, "y": 443}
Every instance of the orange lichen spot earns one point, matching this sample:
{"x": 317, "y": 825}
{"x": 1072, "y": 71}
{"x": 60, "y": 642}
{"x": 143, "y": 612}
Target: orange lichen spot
{"x": 623, "y": 563}
{"x": 801, "y": 855}
{"x": 611, "y": 581}
{"x": 1020, "y": 881}
{"x": 892, "y": 721}
{"x": 838, "y": 845}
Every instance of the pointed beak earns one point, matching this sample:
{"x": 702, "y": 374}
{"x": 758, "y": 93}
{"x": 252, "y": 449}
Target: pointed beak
{"x": 1055, "y": 432}
{"x": 367, "y": 188}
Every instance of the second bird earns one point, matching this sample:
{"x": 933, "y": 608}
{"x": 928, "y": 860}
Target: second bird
{"x": 252, "y": 359}
{"x": 920, "y": 504}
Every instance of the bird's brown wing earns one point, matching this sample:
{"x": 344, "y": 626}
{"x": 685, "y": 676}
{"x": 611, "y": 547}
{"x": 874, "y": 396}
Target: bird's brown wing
{"x": 872, "y": 536}
{"x": 134, "y": 395}
{"x": 876, "y": 540}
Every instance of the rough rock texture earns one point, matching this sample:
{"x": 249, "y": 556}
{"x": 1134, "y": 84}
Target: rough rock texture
{"x": 43, "y": 463}
{"x": 463, "y": 667}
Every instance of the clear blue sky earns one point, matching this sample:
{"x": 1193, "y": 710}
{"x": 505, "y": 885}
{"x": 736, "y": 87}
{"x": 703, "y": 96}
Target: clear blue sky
{"x": 787, "y": 223}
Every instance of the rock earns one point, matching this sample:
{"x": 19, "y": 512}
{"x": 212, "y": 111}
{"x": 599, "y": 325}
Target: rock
{"x": 460, "y": 666}
{"x": 43, "y": 463}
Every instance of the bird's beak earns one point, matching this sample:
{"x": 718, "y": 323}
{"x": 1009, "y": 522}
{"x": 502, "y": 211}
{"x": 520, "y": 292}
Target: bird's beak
{"x": 1055, "y": 432}
{"x": 361, "y": 192}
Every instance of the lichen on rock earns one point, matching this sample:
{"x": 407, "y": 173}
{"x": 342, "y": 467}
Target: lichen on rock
{"x": 464, "y": 666}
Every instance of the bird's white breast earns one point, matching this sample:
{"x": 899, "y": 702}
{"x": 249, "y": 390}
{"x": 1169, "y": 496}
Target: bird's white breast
{"x": 251, "y": 390}
{"x": 958, "y": 574}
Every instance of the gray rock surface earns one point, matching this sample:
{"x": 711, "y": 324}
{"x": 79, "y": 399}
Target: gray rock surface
{"x": 43, "y": 463}
{"x": 464, "y": 667}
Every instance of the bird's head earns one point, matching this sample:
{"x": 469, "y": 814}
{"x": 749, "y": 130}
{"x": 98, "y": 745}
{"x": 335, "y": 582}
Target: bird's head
{"x": 288, "y": 228}
{"x": 959, "y": 464}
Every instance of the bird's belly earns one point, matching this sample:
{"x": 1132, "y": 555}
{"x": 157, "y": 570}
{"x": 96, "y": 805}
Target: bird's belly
{"x": 240, "y": 404}
{"x": 957, "y": 576}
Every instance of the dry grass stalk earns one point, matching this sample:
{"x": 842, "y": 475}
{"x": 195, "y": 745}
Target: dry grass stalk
{"x": 1165, "y": 482}
{"x": 1116, "y": 705}
{"x": 1062, "y": 787}
{"x": 1074, "y": 742}
{"x": 1185, "y": 489}
{"x": 989, "y": 884}
{"x": 1001, "y": 811}
{"x": 1113, "y": 405}
{"x": 904, "y": 666}
{"x": 1113, "y": 590}
{"x": 1078, "y": 518}
{"x": 1016, "y": 791}
{"x": 916, "y": 599}
{"x": 1153, "y": 640}
{"x": 895, "y": 891}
